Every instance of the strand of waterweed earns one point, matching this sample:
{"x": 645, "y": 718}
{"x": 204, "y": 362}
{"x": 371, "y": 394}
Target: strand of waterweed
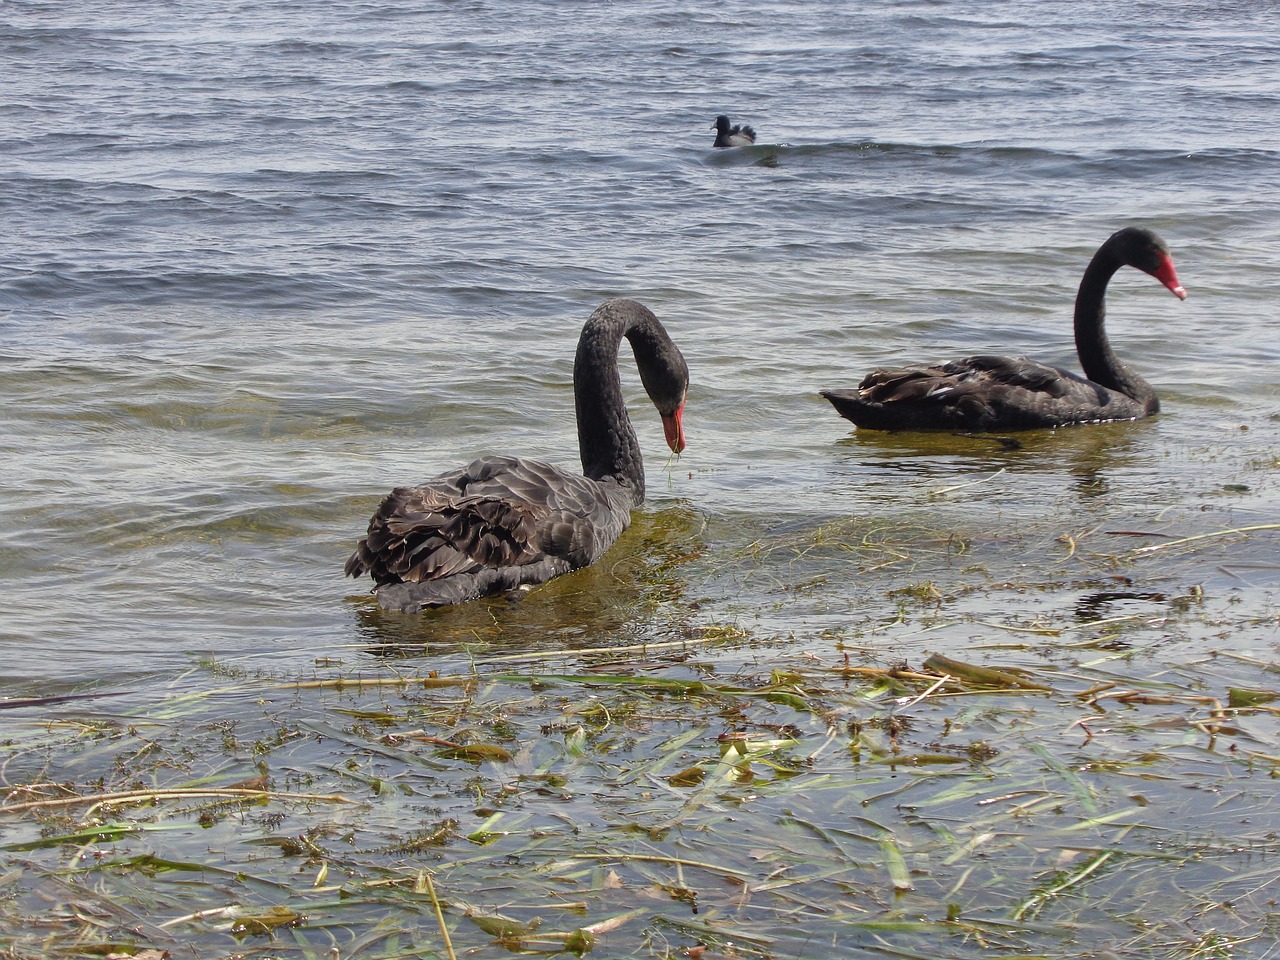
{"x": 841, "y": 536}
{"x": 943, "y": 491}
{"x": 142, "y": 796}
{"x": 725, "y": 771}
{"x": 439, "y": 911}
{"x": 983, "y": 676}
{"x": 1205, "y": 536}
{"x": 1036, "y": 902}
{"x": 662, "y": 684}
{"x": 736, "y": 941}
{"x": 1082, "y": 792}
{"x": 199, "y": 916}
{"x": 676, "y": 862}
{"x": 710, "y": 635}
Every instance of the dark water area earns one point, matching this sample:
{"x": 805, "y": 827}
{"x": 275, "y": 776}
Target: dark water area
{"x": 264, "y": 262}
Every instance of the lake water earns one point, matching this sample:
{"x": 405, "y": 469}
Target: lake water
{"x": 263, "y": 262}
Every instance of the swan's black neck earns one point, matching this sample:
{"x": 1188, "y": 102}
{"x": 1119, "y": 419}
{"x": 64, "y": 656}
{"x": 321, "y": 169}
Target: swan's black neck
{"x": 606, "y": 439}
{"x": 1097, "y": 359}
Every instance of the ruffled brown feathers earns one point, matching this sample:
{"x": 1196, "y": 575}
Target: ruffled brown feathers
{"x": 426, "y": 533}
{"x": 496, "y": 524}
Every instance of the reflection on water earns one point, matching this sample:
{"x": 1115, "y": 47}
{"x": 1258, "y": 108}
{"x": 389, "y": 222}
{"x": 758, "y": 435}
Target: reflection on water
{"x": 1094, "y": 606}
{"x": 1089, "y": 446}
{"x": 636, "y": 593}
{"x": 1105, "y": 463}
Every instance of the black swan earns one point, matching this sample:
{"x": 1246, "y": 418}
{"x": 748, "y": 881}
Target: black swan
{"x": 504, "y": 522}
{"x": 1014, "y": 393}
{"x": 727, "y": 136}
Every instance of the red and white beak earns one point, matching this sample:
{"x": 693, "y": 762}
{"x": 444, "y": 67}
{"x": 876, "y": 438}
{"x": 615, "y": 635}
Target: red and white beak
{"x": 1169, "y": 277}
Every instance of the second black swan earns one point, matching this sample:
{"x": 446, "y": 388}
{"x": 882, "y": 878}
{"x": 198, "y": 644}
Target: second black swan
{"x": 1014, "y": 393}
{"x": 506, "y": 522}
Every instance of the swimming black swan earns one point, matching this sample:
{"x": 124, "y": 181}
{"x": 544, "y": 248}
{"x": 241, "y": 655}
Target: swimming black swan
{"x": 1014, "y": 393}
{"x": 503, "y": 522}
{"x": 727, "y": 136}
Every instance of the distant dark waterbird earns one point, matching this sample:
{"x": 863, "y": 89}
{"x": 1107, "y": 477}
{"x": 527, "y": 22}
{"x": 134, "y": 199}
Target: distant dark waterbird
{"x": 501, "y": 523}
{"x": 1014, "y": 393}
{"x": 732, "y": 136}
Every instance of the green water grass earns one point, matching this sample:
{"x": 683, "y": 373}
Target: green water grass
{"x": 968, "y": 768}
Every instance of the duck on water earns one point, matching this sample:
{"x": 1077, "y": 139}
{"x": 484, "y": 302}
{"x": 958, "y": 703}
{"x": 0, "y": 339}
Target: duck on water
{"x": 505, "y": 522}
{"x": 1014, "y": 393}
{"x": 732, "y": 136}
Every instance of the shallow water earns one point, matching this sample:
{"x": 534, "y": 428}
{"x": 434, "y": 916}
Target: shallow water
{"x": 262, "y": 270}
{"x": 263, "y": 264}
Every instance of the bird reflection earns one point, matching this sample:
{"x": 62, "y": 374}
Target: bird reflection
{"x": 1095, "y": 606}
{"x": 627, "y": 598}
{"x": 1092, "y": 457}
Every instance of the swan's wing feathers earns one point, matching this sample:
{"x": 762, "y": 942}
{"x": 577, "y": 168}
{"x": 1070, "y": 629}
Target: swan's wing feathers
{"x": 495, "y": 524}
{"x": 583, "y": 517}
{"x": 575, "y": 518}
{"x": 429, "y": 532}
{"x": 976, "y": 393}
{"x": 1017, "y": 372}
{"x": 944, "y": 381}
{"x": 583, "y": 533}
{"x": 904, "y": 385}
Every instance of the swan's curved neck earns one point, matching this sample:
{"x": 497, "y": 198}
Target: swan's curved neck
{"x": 606, "y": 439}
{"x": 1097, "y": 359}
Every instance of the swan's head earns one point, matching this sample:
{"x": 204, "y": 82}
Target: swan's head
{"x": 667, "y": 384}
{"x": 665, "y": 376}
{"x": 663, "y": 369}
{"x": 1142, "y": 248}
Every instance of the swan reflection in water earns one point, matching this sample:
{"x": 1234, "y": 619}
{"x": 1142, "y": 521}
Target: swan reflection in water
{"x": 638, "y": 595}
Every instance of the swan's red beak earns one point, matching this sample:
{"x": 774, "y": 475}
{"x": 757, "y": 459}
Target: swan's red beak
{"x": 673, "y": 427}
{"x": 1169, "y": 277}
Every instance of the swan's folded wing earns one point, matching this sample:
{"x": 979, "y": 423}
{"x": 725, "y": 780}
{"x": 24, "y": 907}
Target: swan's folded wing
{"x": 429, "y": 532}
{"x": 941, "y": 382}
{"x": 577, "y": 518}
{"x": 1018, "y": 372}
{"x": 974, "y": 393}
{"x": 497, "y": 513}
{"x": 905, "y": 384}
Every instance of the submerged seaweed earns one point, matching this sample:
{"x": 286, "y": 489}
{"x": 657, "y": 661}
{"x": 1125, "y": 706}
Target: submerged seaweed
{"x": 1030, "y": 800}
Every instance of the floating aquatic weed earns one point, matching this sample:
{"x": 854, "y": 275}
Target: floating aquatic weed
{"x": 1238, "y": 698}
{"x": 982, "y": 676}
{"x": 264, "y": 922}
{"x": 650, "y": 787}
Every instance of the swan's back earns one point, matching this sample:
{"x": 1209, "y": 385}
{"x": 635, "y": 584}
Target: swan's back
{"x": 494, "y": 525}
{"x": 979, "y": 393}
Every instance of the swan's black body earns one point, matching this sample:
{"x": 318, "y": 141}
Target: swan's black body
{"x": 732, "y": 136}
{"x": 504, "y": 522}
{"x": 1014, "y": 393}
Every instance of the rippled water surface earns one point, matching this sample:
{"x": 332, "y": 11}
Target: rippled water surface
{"x": 263, "y": 262}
